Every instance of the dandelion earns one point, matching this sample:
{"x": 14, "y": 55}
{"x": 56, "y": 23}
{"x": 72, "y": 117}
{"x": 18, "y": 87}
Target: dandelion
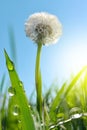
{"x": 43, "y": 28}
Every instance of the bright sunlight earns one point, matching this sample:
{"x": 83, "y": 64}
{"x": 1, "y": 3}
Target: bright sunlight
{"x": 73, "y": 60}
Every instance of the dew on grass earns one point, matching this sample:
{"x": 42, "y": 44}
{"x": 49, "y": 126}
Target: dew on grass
{"x": 16, "y": 110}
{"x": 20, "y": 83}
{"x": 29, "y": 106}
{"x": 10, "y": 66}
{"x": 11, "y": 91}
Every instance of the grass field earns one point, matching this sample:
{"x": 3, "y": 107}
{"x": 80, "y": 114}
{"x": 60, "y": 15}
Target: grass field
{"x": 58, "y": 108}
{"x": 62, "y": 109}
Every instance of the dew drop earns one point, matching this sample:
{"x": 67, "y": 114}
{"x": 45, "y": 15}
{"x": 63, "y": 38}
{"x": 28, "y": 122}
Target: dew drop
{"x": 16, "y": 110}
{"x": 20, "y": 83}
{"x": 29, "y": 106}
{"x": 11, "y": 91}
{"x": 10, "y": 66}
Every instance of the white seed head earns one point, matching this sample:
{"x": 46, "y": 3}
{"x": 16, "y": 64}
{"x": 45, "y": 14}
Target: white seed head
{"x": 43, "y": 28}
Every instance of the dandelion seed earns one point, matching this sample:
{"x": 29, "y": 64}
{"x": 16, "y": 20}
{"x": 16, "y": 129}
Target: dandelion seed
{"x": 43, "y": 28}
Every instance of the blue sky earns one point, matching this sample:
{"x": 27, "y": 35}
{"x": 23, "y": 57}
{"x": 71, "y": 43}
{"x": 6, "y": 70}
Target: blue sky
{"x": 58, "y": 61}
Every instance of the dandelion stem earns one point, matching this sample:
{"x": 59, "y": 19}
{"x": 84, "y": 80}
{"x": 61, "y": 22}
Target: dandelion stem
{"x": 38, "y": 80}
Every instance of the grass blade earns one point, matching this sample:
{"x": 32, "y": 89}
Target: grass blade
{"x": 20, "y": 97}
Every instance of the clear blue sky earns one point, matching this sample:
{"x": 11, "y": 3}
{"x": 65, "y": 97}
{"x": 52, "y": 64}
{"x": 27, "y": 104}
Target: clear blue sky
{"x": 57, "y": 61}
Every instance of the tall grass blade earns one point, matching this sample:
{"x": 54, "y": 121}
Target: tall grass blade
{"x": 20, "y": 97}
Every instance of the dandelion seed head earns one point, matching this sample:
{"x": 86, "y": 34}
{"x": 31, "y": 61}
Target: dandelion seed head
{"x": 43, "y": 28}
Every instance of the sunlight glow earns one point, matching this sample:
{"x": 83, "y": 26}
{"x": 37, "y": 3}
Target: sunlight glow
{"x": 77, "y": 58}
{"x": 74, "y": 58}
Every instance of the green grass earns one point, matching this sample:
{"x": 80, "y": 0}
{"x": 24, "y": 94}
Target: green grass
{"x": 18, "y": 104}
{"x": 62, "y": 108}
{"x": 66, "y": 110}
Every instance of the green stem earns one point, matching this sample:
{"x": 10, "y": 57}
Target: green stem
{"x": 38, "y": 80}
{"x": 0, "y": 121}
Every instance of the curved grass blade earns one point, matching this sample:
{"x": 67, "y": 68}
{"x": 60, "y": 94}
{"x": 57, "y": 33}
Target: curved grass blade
{"x": 20, "y": 97}
{"x": 61, "y": 95}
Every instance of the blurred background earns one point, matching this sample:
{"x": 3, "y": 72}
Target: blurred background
{"x": 59, "y": 61}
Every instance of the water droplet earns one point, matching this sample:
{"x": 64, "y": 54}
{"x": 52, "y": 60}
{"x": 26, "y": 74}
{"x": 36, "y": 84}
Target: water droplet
{"x": 20, "y": 83}
{"x": 10, "y": 66}
{"x": 11, "y": 91}
{"x": 75, "y": 113}
{"x": 29, "y": 106}
{"x": 16, "y": 110}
